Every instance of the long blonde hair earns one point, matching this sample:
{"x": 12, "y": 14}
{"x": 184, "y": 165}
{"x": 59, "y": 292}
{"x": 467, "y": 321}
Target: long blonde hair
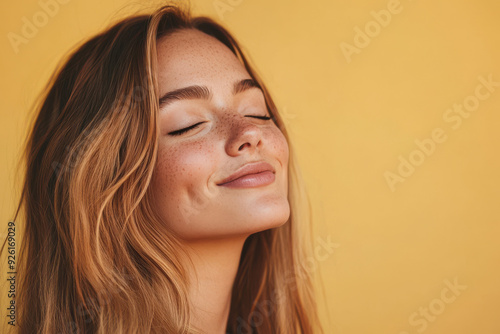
{"x": 95, "y": 257}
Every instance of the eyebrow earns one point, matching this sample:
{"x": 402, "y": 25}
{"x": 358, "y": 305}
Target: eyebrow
{"x": 202, "y": 92}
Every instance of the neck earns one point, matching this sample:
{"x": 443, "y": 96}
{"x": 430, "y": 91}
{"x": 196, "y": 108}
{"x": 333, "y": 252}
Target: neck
{"x": 215, "y": 264}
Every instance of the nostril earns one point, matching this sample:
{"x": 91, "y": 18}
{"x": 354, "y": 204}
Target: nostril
{"x": 250, "y": 144}
{"x": 242, "y": 138}
{"x": 242, "y": 146}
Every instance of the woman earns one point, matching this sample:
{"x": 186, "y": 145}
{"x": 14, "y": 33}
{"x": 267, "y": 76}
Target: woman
{"x": 160, "y": 193}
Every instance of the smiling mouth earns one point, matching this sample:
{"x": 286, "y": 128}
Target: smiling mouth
{"x": 250, "y": 176}
{"x": 251, "y": 180}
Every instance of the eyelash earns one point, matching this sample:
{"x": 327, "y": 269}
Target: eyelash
{"x": 181, "y": 131}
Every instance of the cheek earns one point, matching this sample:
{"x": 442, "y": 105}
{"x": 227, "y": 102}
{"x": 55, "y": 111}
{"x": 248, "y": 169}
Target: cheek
{"x": 181, "y": 171}
{"x": 279, "y": 146}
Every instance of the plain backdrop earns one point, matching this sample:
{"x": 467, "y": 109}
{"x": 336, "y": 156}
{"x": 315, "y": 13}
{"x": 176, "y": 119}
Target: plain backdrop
{"x": 394, "y": 110}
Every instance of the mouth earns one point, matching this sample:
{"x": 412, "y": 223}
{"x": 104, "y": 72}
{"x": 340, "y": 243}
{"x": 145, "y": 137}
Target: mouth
{"x": 250, "y": 175}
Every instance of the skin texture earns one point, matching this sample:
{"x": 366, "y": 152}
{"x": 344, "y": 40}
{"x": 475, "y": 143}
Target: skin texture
{"x": 212, "y": 220}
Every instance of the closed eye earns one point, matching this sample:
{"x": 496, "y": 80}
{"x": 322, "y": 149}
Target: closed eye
{"x": 181, "y": 131}
{"x": 259, "y": 117}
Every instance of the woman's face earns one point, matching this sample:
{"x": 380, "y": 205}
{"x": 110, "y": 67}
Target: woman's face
{"x": 208, "y": 94}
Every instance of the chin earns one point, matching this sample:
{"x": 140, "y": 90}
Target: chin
{"x": 239, "y": 221}
{"x": 268, "y": 217}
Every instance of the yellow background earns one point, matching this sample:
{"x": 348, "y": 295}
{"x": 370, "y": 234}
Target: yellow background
{"x": 350, "y": 121}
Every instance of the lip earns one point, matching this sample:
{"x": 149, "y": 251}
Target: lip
{"x": 250, "y": 175}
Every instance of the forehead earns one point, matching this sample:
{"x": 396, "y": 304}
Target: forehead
{"x": 190, "y": 57}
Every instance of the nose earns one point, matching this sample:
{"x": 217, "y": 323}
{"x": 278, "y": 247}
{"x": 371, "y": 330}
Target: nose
{"x": 245, "y": 136}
